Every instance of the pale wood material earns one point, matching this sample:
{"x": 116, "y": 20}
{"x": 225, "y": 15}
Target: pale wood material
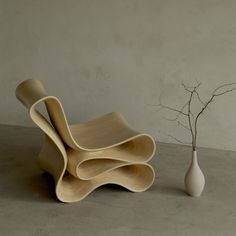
{"x": 85, "y": 156}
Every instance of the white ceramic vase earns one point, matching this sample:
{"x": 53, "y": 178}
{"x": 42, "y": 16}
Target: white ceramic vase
{"x": 194, "y": 178}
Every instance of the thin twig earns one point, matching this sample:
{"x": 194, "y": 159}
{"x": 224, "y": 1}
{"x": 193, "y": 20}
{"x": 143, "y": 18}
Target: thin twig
{"x": 179, "y": 113}
{"x": 199, "y": 98}
{"x": 190, "y": 89}
{"x": 179, "y": 141}
{"x": 189, "y": 119}
{"x": 227, "y": 91}
{"x": 171, "y": 108}
{"x": 214, "y": 94}
{"x": 183, "y": 125}
{"x": 193, "y": 119}
{"x": 222, "y": 86}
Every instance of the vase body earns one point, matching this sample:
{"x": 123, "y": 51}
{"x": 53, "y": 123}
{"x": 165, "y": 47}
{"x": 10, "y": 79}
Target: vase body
{"x": 194, "y": 178}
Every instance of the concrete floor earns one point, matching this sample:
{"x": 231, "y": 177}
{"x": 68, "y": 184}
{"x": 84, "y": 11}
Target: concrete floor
{"x": 28, "y": 205}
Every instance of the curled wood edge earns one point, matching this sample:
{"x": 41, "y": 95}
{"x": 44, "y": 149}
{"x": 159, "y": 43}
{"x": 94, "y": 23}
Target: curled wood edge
{"x": 62, "y": 154}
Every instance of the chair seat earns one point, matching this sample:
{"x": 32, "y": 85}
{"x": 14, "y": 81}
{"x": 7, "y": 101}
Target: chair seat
{"x": 85, "y": 156}
{"x": 104, "y": 132}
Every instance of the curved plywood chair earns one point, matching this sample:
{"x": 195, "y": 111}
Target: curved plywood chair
{"x": 85, "y": 156}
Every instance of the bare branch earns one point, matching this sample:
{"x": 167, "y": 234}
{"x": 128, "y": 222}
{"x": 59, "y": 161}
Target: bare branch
{"x": 193, "y": 89}
{"x": 170, "y": 108}
{"x": 189, "y": 118}
{"x": 187, "y": 111}
{"x": 179, "y": 141}
{"x": 222, "y": 86}
{"x": 214, "y": 94}
{"x": 183, "y": 125}
{"x": 190, "y": 89}
{"x": 173, "y": 109}
{"x": 178, "y": 114}
{"x": 192, "y": 117}
{"x": 227, "y": 91}
{"x": 178, "y": 122}
{"x": 199, "y": 98}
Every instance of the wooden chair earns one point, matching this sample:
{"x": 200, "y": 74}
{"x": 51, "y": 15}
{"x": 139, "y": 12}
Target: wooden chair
{"x": 85, "y": 156}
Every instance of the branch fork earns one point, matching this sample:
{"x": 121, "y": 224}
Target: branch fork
{"x": 187, "y": 109}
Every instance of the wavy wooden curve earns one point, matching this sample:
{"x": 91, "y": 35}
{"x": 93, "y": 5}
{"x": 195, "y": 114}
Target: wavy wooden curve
{"x": 85, "y": 156}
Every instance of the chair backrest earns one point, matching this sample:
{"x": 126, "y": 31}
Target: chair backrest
{"x": 31, "y": 93}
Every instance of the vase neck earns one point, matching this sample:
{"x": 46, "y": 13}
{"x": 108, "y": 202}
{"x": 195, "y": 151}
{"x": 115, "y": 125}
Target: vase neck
{"x": 194, "y": 156}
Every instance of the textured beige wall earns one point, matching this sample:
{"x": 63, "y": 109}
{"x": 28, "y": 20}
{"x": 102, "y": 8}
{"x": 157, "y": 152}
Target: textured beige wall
{"x": 122, "y": 55}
